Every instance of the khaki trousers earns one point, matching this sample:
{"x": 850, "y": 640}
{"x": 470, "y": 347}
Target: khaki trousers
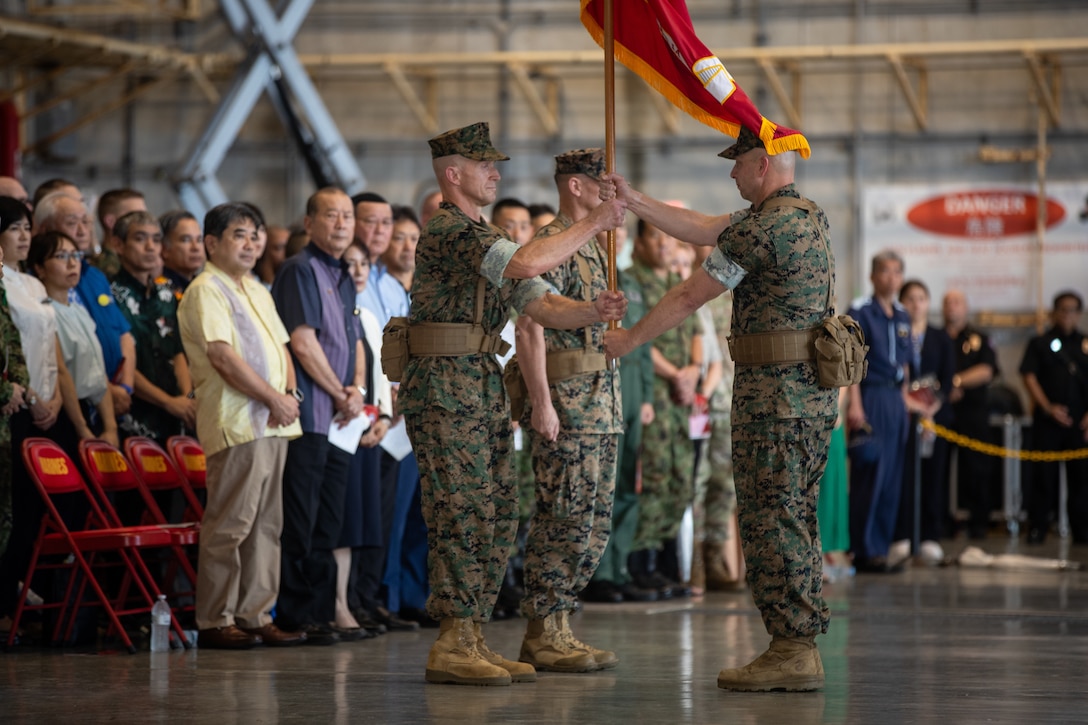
{"x": 238, "y": 577}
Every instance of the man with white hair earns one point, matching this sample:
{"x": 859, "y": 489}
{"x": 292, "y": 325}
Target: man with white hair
{"x": 776, "y": 257}
{"x": 61, "y": 211}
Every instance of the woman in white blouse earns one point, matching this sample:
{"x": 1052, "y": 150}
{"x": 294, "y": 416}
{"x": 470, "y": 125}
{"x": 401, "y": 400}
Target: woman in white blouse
{"x": 33, "y": 317}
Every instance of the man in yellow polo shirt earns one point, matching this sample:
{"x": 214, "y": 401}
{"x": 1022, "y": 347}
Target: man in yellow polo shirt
{"x": 247, "y": 410}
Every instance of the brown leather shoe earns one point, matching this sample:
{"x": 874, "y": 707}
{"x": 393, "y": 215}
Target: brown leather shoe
{"x": 229, "y": 637}
{"x": 273, "y": 636}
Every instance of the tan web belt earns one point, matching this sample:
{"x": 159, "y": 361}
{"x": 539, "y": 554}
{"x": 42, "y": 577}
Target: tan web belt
{"x": 769, "y": 348}
{"x": 438, "y": 339}
{"x": 566, "y": 364}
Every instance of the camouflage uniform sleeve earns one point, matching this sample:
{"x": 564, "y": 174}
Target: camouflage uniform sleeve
{"x": 15, "y": 372}
{"x": 496, "y": 259}
{"x": 527, "y": 290}
{"x": 523, "y": 291}
{"x": 723, "y": 269}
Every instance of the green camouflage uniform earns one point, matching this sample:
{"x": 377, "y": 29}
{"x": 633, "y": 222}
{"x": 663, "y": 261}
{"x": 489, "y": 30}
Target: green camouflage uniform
{"x": 668, "y": 456}
{"x": 458, "y": 415}
{"x": 777, "y": 266}
{"x": 715, "y": 492}
{"x": 108, "y": 262}
{"x": 637, "y": 388}
{"x": 152, "y": 312}
{"x": 575, "y": 474}
{"x": 14, "y": 373}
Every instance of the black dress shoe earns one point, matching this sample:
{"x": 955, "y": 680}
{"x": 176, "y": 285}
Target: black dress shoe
{"x": 351, "y": 634}
{"x": 878, "y": 565}
{"x": 320, "y": 635}
{"x": 631, "y": 593}
{"x": 392, "y": 622}
{"x": 366, "y": 621}
{"x": 418, "y": 616}
{"x": 601, "y": 591}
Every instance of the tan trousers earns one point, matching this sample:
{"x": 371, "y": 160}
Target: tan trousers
{"x": 238, "y": 577}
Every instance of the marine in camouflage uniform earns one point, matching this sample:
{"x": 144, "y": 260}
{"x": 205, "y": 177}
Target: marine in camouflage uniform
{"x": 715, "y": 491}
{"x": 576, "y": 473}
{"x": 777, "y": 260}
{"x": 668, "y": 457}
{"x": 14, "y": 373}
{"x": 457, "y": 411}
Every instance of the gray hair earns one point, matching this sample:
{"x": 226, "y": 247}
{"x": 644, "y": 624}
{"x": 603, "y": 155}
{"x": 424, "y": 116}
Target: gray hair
{"x": 888, "y": 255}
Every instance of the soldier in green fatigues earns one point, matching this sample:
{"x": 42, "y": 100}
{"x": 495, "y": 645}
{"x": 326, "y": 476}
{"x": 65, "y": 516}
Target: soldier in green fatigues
{"x": 13, "y": 384}
{"x": 668, "y": 457}
{"x": 776, "y": 257}
{"x": 715, "y": 491}
{"x": 612, "y": 580}
{"x": 573, "y": 418}
{"x": 452, "y": 396}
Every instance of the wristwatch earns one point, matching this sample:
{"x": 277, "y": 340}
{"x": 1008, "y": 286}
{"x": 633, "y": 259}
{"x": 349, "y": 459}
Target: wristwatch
{"x": 362, "y": 391}
{"x": 296, "y": 394}
{"x": 32, "y": 400}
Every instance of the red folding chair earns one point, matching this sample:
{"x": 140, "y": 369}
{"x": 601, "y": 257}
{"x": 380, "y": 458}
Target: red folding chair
{"x": 53, "y": 473}
{"x": 188, "y": 456}
{"x": 159, "y": 472}
{"x": 111, "y": 472}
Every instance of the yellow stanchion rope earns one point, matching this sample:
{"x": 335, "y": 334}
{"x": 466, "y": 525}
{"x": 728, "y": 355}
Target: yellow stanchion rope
{"x": 991, "y": 450}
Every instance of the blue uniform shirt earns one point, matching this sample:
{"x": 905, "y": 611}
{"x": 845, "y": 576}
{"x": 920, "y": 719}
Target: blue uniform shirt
{"x": 94, "y": 294}
{"x": 888, "y": 340}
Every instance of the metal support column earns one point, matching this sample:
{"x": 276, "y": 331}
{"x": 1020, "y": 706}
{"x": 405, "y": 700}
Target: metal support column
{"x": 271, "y": 58}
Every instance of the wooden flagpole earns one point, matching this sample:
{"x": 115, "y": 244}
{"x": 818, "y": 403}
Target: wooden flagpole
{"x": 610, "y": 130}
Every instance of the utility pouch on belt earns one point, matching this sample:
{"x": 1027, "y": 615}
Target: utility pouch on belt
{"x": 837, "y": 345}
{"x": 395, "y": 348}
{"x": 840, "y": 352}
{"x": 515, "y": 387}
{"x": 402, "y": 340}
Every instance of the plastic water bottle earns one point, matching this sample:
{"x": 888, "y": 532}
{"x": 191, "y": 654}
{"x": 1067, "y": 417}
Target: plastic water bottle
{"x": 160, "y": 625}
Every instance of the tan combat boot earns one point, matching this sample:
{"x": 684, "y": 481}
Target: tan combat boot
{"x": 718, "y": 578}
{"x": 605, "y": 660}
{"x": 545, "y": 648}
{"x": 790, "y": 664}
{"x": 519, "y": 671}
{"x": 455, "y": 660}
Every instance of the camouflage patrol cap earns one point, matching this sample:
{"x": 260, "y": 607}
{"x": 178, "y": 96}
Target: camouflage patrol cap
{"x": 472, "y": 142}
{"x": 746, "y": 141}
{"x": 581, "y": 161}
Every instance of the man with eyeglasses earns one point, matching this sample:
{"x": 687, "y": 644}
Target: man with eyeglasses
{"x": 1055, "y": 373}
{"x": 64, "y": 211}
{"x": 374, "y": 228}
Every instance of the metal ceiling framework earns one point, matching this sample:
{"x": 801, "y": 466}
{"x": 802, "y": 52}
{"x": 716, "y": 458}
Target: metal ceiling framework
{"x": 273, "y": 67}
{"x": 39, "y": 54}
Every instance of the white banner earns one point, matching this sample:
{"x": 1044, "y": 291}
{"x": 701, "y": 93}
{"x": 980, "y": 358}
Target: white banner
{"x": 981, "y": 240}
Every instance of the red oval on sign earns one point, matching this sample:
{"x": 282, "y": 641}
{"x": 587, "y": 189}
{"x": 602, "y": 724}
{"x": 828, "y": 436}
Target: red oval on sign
{"x": 983, "y": 214}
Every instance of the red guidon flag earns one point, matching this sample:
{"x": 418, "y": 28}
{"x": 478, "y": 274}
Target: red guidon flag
{"x": 656, "y": 40}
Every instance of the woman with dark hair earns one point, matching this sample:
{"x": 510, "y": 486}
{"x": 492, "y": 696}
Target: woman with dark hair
{"x": 55, "y": 260}
{"x": 35, "y": 321}
{"x": 932, "y": 366}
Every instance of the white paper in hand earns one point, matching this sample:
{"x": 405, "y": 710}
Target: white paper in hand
{"x": 347, "y": 438}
